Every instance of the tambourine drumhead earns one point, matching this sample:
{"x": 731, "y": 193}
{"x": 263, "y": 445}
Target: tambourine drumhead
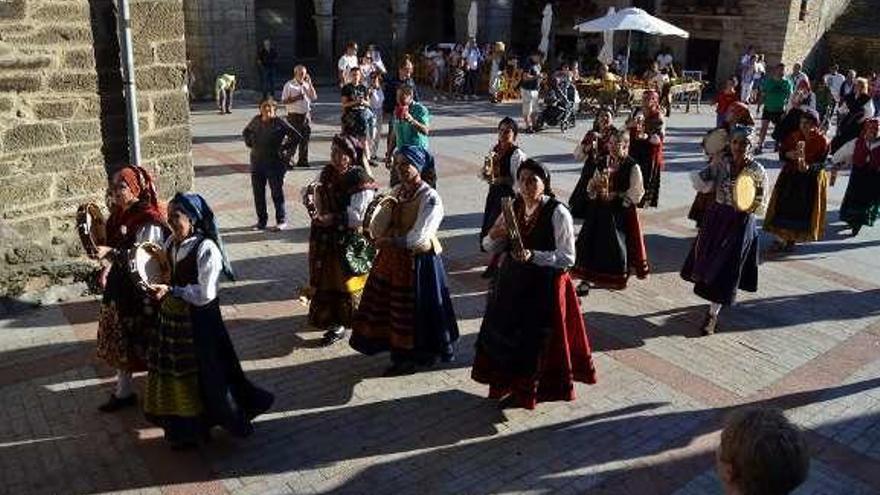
{"x": 149, "y": 264}
{"x": 377, "y": 219}
{"x": 745, "y": 192}
{"x": 91, "y": 227}
{"x": 714, "y": 141}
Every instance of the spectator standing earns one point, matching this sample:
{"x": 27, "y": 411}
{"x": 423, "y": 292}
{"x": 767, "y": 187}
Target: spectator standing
{"x": 834, "y": 81}
{"x": 266, "y": 135}
{"x": 403, "y": 78}
{"x": 298, "y": 95}
{"x": 410, "y": 128}
{"x": 798, "y": 75}
{"x": 346, "y": 62}
{"x": 749, "y": 75}
{"x": 725, "y": 98}
{"x": 664, "y": 59}
{"x": 875, "y": 92}
{"x": 267, "y": 59}
{"x": 848, "y": 85}
{"x": 761, "y": 451}
{"x": 377, "y": 100}
{"x": 376, "y": 56}
{"x": 776, "y": 90}
{"x": 224, "y": 87}
{"x": 528, "y": 87}
{"x": 473, "y": 57}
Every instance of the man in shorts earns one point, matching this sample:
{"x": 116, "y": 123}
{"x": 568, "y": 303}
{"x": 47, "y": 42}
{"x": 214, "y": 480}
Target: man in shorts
{"x": 528, "y": 89}
{"x": 776, "y": 90}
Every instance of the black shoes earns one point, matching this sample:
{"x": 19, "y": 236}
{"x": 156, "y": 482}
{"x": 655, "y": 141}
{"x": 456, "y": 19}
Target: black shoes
{"x": 400, "y": 369}
{"x": 332, "y": 336}
{"x": 583, "y": 289}
{"x": 114, "y": 403}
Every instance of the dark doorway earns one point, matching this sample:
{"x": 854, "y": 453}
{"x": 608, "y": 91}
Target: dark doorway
{"x": 291, "y": 27}
{"x": 702, "y": 55}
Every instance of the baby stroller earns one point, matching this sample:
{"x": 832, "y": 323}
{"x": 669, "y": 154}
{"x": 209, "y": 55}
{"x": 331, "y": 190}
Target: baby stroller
{"x": 558, "y": 107}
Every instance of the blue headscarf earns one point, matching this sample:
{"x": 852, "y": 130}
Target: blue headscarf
{"x": 203, "y": 221}
{"x": 419, "y": 157}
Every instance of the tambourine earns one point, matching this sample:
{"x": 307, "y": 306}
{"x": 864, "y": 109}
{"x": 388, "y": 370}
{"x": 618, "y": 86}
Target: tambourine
{"x": 748, "y": 191}
{"x": 91, "y": 227}
{"x": 313, "y": 199}
{"x": 148, "y": 265}
{"x": 377, "y": 219}
{"x": 715, "y": 141}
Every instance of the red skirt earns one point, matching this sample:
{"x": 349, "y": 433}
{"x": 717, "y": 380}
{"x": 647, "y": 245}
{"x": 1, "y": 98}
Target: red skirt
{"x": 565, "y": 359}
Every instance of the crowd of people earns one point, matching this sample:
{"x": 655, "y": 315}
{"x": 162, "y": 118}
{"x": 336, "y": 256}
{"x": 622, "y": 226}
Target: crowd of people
{"x": 387, "y": 290}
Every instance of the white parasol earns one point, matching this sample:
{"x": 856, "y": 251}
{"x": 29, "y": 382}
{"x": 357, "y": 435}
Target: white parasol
{"x": 472, "y": 20}
{"x": 606, "y": 55}
{"x": 631, "y": 19}
{"x": 546, "y": 23}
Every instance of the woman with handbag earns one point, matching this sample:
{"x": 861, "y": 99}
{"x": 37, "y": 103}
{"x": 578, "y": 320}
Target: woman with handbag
{"x": 336, "y": 280}
{"x": 406, "y": 308}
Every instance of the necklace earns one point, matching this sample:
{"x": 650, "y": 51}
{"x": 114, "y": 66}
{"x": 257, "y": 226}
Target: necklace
{"x": 528, "y": 220}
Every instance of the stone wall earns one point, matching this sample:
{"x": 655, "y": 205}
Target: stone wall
{"x": 854, "y": 40}
{"x": 63, "y": 127}
{"x": 802, "y": 40}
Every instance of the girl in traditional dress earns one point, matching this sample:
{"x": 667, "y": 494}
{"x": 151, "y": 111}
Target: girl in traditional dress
{"x": 506, "y": 157}
{"x": 595, "y": 140}
{"x": 797, "y": 207}
{"x": 195, "y": 380}
{"x": 406, "y": 308}
{"x": 335, "y": 284}
{"x": 861, "y": 203}
{"x": 648, "y": 154}
{"x": 610, "y": 245}
{"x": 655, "y": 128}
{"x": 533, "y": 344}
{"x": 724, "y": 255}
{"x": 128, "y": 315}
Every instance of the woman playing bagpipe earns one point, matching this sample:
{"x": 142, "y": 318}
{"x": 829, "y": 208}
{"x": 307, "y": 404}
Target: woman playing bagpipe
{"x": 655, "y": 130}
{"x": 127, "y": 316}
{"x": 796, "y": 212}
{"x": 195, "y": 379}
{"x": 406, "y": 308}
{"x": 500, "y": 172}
{"x": 533, "y": 344}
{"x": 610, "y": 245}
{"x": 724, "y": 256}
{"x": 339, "y": 256}
{"x": 595, "y": 141}
{"x": 648, "y": 153}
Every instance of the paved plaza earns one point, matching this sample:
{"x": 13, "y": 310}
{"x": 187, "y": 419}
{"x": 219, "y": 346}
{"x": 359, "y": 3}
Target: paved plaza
{"x": 808, "y": 342}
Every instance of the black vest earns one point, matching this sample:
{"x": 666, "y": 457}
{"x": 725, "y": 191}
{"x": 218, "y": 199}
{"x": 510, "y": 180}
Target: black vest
{"x": 186, "y": 271}
{"x": 541, "y": 237}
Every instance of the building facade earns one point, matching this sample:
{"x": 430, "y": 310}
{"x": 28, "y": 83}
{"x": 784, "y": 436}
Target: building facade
{"x": 63, "y": 124}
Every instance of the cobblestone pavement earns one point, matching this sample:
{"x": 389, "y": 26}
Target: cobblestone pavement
{"x": 808, "y": 341}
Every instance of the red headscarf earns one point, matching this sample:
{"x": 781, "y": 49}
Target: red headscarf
{"x": 738, "y": 113}
{"x": 124, "y": 222}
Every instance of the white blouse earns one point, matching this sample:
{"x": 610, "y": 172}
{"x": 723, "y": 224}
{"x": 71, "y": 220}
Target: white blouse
{"x": 428, "y": 220}
{"x": 516, "y": 160}
{"x": 357, "y": 207}
{"x": 209, "y": 261}
{"x": 150, "y": 232}
{"x": 631, "y": 196}
{"x": 563, "y": 232}
{"x": 845, "y": 153}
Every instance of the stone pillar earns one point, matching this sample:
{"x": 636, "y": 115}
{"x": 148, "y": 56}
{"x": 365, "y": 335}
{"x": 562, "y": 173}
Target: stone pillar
{"x": 400, "y": 25}
{"x": 324, "y": 24}
{"x": 496, "y": 22}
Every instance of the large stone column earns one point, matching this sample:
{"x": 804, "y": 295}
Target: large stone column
{"x": 400, "y": 25}
{"x": 497, "y": 22}
{"x": 324, "y": 24}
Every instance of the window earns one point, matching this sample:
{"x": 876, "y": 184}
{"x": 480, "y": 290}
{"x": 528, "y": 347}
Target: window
{"x": 803, "y": 12}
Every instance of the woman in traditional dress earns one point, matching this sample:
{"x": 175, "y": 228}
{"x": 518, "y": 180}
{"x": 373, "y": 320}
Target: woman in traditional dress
{"x": 533, "y": 344}
{"x": 801, "y": 100}
{"x": 406, "y": 308}
{"x": 655, "y": 128}
{"x": 861, "y": 203}
{"x": 738, "y": 114}
{"x": 610, "y": 245}
{"x": 128, "y": 315}
{"x": 855, "y": 108}
{"x": 195, "y": 380}
{"x": 797, "y": 207}
{"x": 336, "y": 281}
{"x": 724, "y": 256}
{"x": 595, "y": 141}
{"x": 506, "y": 156}
{"x": 648, "y": 154}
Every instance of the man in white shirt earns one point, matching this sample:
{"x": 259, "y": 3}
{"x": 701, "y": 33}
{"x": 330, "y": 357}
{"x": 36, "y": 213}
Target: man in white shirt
{"x": 473, "y": 57}
{"x": 348, "y": 60}
{"x": 798, "y": 75}
{"x": 664, "y": 59}
{"x": 298, "y": 95}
